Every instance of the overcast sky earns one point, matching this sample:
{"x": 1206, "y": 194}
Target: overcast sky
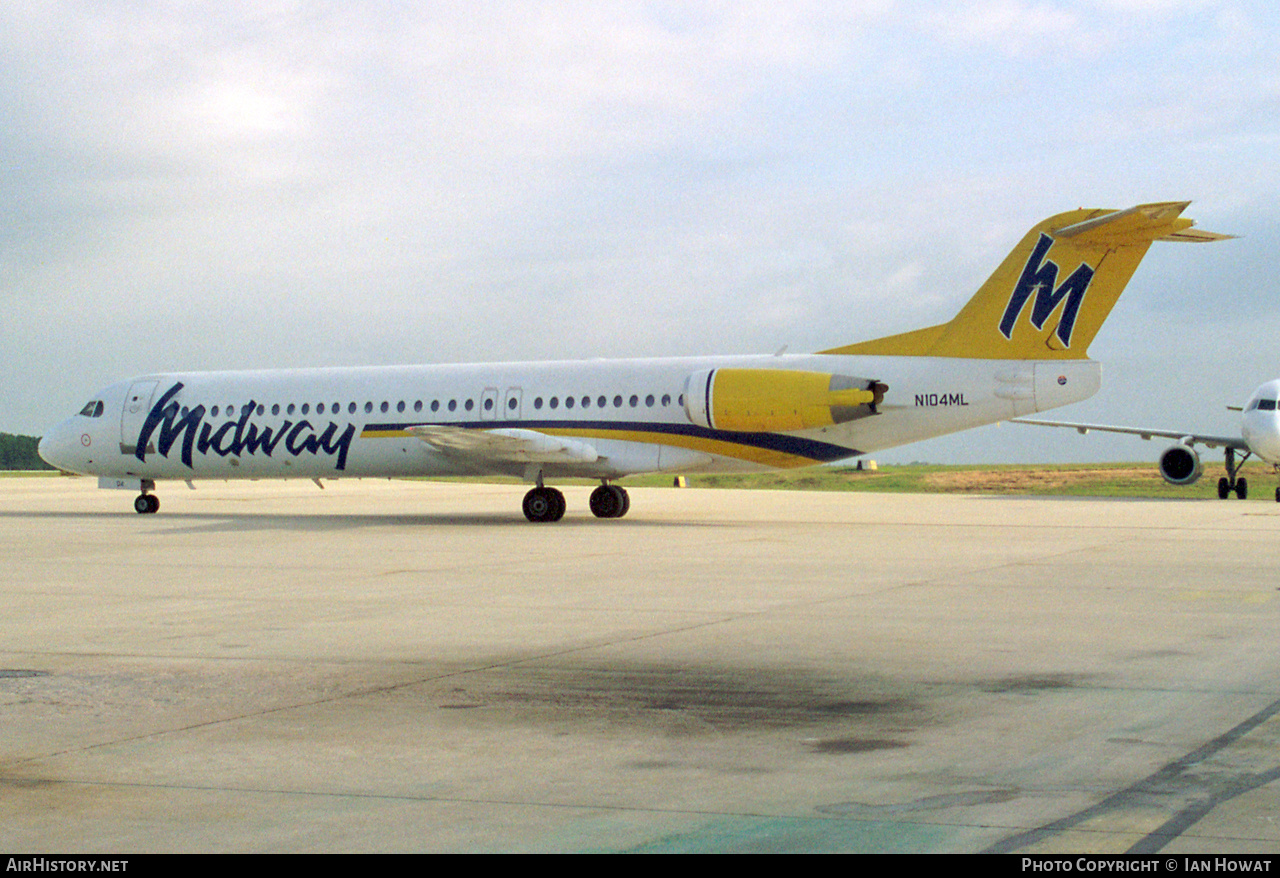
{"x": 192, "y": 185}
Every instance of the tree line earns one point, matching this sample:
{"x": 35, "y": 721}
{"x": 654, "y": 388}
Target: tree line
{"x": 19, "y": 452}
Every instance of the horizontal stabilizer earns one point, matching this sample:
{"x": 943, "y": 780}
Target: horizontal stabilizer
{"x": 1141, "y": 224}
{"x": 505, "y": 445}
{"x": 1196, "y": 236}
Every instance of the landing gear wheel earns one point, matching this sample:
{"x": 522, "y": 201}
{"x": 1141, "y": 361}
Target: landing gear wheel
{"x": 1242, "y": 488}
{"x": 544, "y": 504}
{"x": 1224, "y": 488}
{"x": 1278, "y": 495}
{"x": 609, "y": 501}
{"x": 146, "y": 504}
{"x": 604, "y": 502}
{"x": 537, "y": 505}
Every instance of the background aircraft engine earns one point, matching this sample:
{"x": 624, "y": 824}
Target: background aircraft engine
{"x": 1180, "y": 465}
{"x": 777, "y": 400}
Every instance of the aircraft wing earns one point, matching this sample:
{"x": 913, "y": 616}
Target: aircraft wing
{"x": 1185, "y": 438}
{"x": 505, "y": 445}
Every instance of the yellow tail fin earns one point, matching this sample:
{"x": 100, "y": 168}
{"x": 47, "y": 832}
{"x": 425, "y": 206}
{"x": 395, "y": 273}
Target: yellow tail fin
{"x": 1049, "y": 297}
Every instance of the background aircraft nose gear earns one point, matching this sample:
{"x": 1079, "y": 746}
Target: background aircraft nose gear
{"x": 1229, "y": 482}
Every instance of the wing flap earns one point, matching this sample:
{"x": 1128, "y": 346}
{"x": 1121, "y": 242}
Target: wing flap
{"x": 505, "y": 445}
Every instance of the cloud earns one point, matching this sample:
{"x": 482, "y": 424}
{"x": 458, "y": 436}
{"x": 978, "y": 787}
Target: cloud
{"x": 1049, "y": 32}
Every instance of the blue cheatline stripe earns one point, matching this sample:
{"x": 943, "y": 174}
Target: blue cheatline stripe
{"x": 812, "y": 449}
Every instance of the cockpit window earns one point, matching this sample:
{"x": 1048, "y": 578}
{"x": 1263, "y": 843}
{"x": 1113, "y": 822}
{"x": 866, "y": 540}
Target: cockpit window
{"x": 1267, "y": 405}
{"x": 92, "y": 409}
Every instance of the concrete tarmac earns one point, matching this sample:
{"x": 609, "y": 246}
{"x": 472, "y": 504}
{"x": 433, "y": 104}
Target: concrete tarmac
{"x": 411, "y": 666}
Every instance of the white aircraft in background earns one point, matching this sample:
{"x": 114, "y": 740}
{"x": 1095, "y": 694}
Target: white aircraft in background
{"x": 1019, "y": 346}
{"x": 1180, "y": 464}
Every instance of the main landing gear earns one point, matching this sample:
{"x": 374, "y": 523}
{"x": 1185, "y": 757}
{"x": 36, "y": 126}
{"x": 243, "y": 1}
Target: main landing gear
{"x": 609, "y": 501}
{"x": 543, "y": 504}
{"x": 1229, "y": 483}
{"x": 547, "y": 504}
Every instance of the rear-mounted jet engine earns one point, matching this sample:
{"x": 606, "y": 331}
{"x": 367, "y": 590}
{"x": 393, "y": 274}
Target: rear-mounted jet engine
{"x": 777, "y": 400}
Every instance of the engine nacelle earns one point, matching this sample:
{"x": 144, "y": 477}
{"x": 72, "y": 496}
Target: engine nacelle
{"x": 777, "y": 400}
{"x": 1180, "y": 465}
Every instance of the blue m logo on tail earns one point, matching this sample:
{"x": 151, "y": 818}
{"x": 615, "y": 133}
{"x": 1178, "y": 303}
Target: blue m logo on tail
{"x": 1039, "y": 278}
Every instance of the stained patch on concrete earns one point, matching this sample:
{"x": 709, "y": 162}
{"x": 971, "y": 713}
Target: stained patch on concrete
{"x": 690, "y": 699}
{"x": 967, "y": 799}
{"x": 855, "y": 745}
{"x": 777, "y": 835}
{"x": 1031, "y": 683}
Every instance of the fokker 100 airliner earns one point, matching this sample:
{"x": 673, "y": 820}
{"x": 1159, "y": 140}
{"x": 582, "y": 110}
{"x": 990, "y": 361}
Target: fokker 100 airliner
{"x": 1019, "y": 346}
{"x": 1180, "y": 464}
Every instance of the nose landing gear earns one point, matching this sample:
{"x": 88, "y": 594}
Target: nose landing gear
{"x": 1229, "y": 483}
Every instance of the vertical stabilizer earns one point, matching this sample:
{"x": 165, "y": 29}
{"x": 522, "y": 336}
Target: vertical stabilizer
{"x": 1049, "y": 297}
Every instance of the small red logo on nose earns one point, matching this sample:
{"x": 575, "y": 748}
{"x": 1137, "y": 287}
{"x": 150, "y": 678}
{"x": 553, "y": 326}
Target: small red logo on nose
{"x": 85, "y": 440}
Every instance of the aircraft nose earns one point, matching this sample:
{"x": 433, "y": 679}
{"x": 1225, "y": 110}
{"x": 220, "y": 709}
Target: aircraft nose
{"x": 44, "y": 448}
{"x": 52, "y": 447}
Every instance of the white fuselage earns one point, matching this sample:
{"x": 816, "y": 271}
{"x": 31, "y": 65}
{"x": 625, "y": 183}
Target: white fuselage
{"x": 353, "y": 422}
